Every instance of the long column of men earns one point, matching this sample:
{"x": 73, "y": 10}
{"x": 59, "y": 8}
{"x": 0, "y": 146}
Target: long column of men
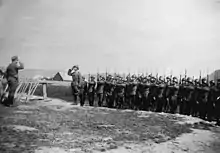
{"x": 187, "y": 96}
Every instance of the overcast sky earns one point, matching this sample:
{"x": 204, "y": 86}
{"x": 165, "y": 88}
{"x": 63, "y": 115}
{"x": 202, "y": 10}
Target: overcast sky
{"x": 117, "y": 35}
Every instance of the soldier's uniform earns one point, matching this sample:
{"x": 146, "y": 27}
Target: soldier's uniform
{"x": 100, "y": 90}
{"x": 127, "y": 92}
{"x": 83, "y": 91}
{"x": 145, "y": 91}
{"x": 91, "y": 90}
{"x": 76, "y": 81}
{"x": 188, "y": 100}
{"x": 213, "y": 95}
{"x": 160, "y": 98}
{"x": 109, "y": 89}
{"x": 132, "y": 93}
{"x": 12, "y": 78}
{"x": 182, "y": 95}
{"x": 217, "y": 104}
{"x": 120, "y": 93}
{"x": 139, "y": 93}
{"x": 203, "y": 99}
{"x": 195, "y": 101}
{"x": 152, "y": 94}
{"x": 174, "y": 95}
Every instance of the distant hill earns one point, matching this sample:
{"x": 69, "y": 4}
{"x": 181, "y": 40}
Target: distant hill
{"x": 31, "y": 73}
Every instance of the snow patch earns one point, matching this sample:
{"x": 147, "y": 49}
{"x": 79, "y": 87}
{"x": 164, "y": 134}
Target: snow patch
{"x": 22, "y": 128}
{"x": 50, "y": 150}
{"x": 197, "y": 141}
{"x": 23, "y": 112}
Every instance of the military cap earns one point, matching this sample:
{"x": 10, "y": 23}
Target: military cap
{"x": 196, "y": 81}
{"x": 133, "y": 76}
{"x": 152, "y": 79}
{"x": 76, "y": 66}
{"x": 204, "y": 80}
{"x": 14, "y": 58}
{"x": 109, "y": 76}
{"x": 175, "y": 79}
{"x": 168, "y": 78}
{"x": 102, "y": 78}
{"x": 92, "y": 77}
{"x": 189, "y": 80}
{"x": 212, "y": 82}
{"x": 161, "y": 78}
{"x": 183, "y": 80}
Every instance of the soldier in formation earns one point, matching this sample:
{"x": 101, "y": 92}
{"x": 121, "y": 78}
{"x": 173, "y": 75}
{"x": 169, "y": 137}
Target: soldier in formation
{"x": 188, "y": 96}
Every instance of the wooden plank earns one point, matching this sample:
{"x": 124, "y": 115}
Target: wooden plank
{"x": 45, "y": 90}
{"x": 36, "y": 85}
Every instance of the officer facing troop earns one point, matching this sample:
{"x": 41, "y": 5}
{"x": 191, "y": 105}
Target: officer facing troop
{"x": 12, "y": 78}
{"x": 76, "y": 81}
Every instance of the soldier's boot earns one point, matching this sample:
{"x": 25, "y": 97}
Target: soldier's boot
{"x": 210, "y": 110}
{"x": 160, "y": 102}
{"x": 82, "y": 99}
{"x": 144, "y": 104}
{"x": 134, "y": 102}
{"x": 118, "y": 103}
{"x": 100, "y": 100}
{"x": 110, "y": 101}
{"x": 91, "y": 99}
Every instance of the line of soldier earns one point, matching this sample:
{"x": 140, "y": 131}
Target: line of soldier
{"x": 196, "y": 97}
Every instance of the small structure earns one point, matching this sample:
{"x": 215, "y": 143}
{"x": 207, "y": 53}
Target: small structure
{"x": 62, "y": 76}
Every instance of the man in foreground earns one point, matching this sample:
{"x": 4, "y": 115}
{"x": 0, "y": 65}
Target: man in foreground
{"x": 12, "y": 78}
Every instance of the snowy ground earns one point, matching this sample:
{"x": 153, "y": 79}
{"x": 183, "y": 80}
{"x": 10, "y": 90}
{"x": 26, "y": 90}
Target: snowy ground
{"x": 58, "y": 126}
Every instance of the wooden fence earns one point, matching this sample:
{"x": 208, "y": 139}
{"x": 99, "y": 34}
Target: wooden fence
{"x": 27, "y": 88}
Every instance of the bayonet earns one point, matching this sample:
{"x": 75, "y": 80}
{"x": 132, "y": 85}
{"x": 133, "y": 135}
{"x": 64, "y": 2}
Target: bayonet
{"x": 200, "y": 76}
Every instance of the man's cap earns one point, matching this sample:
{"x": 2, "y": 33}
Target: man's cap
{"x": 196, "y": 80}
{"x": 212, "y": 82}
{"x": 76, "y": 66}
{"x": 204, "y": 80}
{"x": 14, "y": 58}
{"x": 168, "y": 78}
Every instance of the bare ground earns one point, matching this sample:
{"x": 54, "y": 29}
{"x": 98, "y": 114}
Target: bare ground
{"x": 58, "y": 126}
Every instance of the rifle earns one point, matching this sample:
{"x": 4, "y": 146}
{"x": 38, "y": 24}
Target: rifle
{"x": 106, "y": 74}
{"x": 200, "y": 76}
{"x": 171, "y": 77}
{"x": 157, "y": 77}
{"x": 97, "y": 79}
{"x": 89, "y": 77}
{"x": 207, "y": 76}
{"x": 180, "y": 81}
{"x": 185, "y": 74}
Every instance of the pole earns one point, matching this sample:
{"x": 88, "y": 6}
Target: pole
{"x": 106, "y": 73}
{"x": 208, "y": 76}
{"x": 185, "y": 74}
{"x": 200, "y": 76}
